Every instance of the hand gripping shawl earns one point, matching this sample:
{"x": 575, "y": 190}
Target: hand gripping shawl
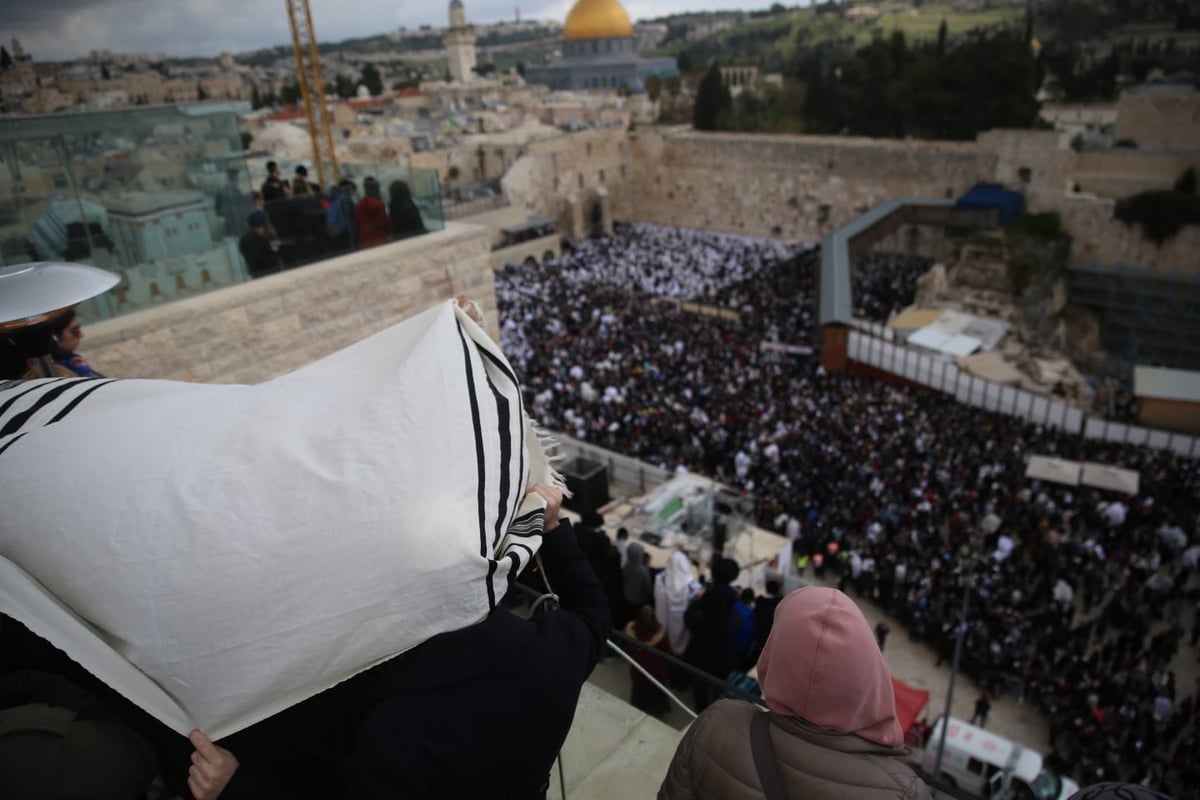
{"x": 219, "y": 553}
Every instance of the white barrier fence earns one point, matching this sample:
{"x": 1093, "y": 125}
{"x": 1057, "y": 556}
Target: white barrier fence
{"x": 945, "y": 376}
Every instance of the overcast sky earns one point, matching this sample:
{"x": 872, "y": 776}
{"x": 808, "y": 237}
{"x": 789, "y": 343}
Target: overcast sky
{"x": 62, "y": 29}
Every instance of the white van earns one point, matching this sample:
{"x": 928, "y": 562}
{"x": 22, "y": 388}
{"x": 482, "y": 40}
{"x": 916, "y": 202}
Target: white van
{"x": 982, "y": 763}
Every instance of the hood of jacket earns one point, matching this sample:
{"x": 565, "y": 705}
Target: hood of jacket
{"x": 821, "y": 663}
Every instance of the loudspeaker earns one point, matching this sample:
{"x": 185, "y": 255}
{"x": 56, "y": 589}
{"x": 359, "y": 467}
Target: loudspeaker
{"x": 588, "y": 482}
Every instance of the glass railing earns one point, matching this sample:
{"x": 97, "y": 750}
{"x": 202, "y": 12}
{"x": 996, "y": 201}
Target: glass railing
{"x": 162, "y": 196}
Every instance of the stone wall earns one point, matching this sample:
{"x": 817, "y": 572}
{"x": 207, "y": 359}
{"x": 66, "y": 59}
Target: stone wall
{"x": 1101, "y": 239}
{"x": 563, "y": 178}
{"x": 792, "y": 187}
{"x": 1121, "y": 173}
{"x": 254, "y": 331}
{"x": 1037, "y": 163}
{"x": 1168, "y": 120}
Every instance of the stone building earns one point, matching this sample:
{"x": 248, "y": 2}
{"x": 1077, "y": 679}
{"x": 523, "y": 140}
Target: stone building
{"x": 598, "y": 52}
{"x": 1162, "y": 114}
{"x": 460, "y": 45}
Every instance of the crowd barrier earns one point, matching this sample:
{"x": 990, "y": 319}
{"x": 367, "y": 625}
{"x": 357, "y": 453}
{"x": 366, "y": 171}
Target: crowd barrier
{"x": 945, "y": 376}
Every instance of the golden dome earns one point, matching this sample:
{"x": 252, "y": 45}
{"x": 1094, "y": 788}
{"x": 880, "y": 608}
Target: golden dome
{"x": 597, "y": 19}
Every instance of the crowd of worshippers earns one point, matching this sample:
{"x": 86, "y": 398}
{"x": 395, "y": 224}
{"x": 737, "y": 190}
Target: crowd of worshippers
{"x": 295, "y": 222}
{"x": 696, "y": 613}
{"x": 883, "y": 283}
{"x": 1079, "y": 598}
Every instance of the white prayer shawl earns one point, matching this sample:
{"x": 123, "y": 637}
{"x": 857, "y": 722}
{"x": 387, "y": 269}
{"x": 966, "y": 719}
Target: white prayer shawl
{"x": 219, "y": 553}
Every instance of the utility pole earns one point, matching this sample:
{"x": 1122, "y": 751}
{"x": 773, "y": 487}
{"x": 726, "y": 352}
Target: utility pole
{"x": 958, "y": 645}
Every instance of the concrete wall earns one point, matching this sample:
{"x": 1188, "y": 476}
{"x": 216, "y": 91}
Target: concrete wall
{"x": 794, "y": 187}
{"x": 257, "y": 330}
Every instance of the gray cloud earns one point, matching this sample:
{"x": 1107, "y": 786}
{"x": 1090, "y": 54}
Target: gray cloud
{"x": 61, "y": 29}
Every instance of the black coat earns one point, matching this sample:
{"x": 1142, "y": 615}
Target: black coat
{"x": 477, "y": 712}
{"x": 261, "y": 259}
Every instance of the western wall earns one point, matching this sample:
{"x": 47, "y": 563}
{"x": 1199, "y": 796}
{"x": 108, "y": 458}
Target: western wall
{"x": 791, "y": 187}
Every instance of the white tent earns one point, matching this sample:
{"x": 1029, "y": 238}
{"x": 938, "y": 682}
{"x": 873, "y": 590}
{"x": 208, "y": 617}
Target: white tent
{"x": 940, "y": 342}
{"x": 1048, "y": 468}
{"x": 1114, "y": 479}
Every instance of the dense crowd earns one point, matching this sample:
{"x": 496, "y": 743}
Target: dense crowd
{"x": 1079, "y": 599}
{"x": 885, "y": 283}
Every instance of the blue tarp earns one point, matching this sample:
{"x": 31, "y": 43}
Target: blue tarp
{"x": 982, "y": 196}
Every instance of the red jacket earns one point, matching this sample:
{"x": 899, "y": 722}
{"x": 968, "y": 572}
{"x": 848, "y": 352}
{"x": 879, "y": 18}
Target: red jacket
{"x": 374, "y": 227}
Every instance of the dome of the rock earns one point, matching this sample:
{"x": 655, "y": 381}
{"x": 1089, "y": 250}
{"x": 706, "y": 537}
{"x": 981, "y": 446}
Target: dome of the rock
{"x": 597, "y": 19}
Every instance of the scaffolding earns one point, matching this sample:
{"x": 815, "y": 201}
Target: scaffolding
{"x": 312, "y": 89}
{"x": 1147, "y": 317}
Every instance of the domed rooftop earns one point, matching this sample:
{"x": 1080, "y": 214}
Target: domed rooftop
{"x": 597, "y": 19}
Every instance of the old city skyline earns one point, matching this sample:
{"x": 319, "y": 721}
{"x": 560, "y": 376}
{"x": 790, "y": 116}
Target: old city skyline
{"x": 70, "y": 29}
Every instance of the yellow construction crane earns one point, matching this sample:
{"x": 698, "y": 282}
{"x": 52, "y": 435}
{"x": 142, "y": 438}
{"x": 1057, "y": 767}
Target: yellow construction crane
{"x": 312, "y": 90}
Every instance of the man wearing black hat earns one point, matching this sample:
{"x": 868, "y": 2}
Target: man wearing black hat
{"x": 261, "y": 258}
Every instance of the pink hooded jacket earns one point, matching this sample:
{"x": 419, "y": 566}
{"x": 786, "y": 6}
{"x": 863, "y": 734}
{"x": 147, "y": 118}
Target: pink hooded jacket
{"x": 826, "y": 667}
{"x": 834, "y": 731}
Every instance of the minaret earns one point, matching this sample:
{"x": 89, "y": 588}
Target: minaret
{"x": 460, "y": 45}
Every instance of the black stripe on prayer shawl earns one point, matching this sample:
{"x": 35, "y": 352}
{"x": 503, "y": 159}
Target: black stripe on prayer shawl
{"x": 18, "y": 420}
{"x": 514, "y": 569}
{"x": 75, "y": 403}
{"x": 36, "y": 387}
{"x": 11, "y": 442}
{"x": 502, "y": 513}
{"x": 490, "y": 588}
{"x": 528, "y": 525}
{"x": 521, "y": 468}
{"x": 480, "y": 495}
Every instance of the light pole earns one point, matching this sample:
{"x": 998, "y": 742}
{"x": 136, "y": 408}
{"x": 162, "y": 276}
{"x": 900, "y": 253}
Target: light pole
{"x": 966, "y": 578}
{"x": 958, "y": 645}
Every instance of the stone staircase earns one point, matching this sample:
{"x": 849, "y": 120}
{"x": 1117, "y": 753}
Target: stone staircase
{"x": 613, "y": 752}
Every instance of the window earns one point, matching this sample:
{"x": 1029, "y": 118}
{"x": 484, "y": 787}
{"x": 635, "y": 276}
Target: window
{"x": 602, "y": 176}
{"x": 1025, "y": 174}
{"x": 581, "y": 180}
{"x": 60, "y": 181}
{"x": 975, "y": 766}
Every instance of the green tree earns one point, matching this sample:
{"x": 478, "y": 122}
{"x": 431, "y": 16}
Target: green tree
{"x": 712, "y": 100}
{"x": 289, "y": 93}
{"x": 344, "y": 86}
{"x": 104, "y": 73}
{"x": 200, "y": 93}
{"x": 941, "y": 40}
{"x": 683, "y": 62}
{"x": 256, "y": 101}
{"x": 247, "y": 138}
{"x": 372, "y": 80}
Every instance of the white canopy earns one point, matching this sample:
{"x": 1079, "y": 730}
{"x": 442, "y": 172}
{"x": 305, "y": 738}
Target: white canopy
{"x": 1115, "y": 479}
{"x": 1048, "y": 468}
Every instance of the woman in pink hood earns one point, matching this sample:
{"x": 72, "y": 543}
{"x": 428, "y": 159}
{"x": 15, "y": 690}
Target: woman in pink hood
{"x": 832, "y": 723}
